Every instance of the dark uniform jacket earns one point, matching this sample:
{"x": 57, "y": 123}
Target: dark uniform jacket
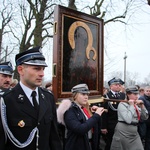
{"x": 18, "y": 108}
{"x": 146, "y": 100}
{"x": 144, "y": 126}
{"x": 2, "y": 91}
{"x": 110, "y": 119}
{"x": 78, "y": 127}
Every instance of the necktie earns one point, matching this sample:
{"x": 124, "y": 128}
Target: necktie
{"x": 137, "y": 112}
{"x": 86, "y": 112}
{"x": 116, "y": 95}
{"x": 34, "y": 100}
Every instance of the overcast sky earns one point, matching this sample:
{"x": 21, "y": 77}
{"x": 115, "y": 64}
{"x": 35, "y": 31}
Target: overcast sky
{"x": 135, "y": 41}
{"x": 132, "y": 39}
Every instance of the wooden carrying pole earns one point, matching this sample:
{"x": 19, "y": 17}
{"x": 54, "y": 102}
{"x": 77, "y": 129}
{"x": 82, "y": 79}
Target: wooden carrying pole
{"x": 102, "y": 100}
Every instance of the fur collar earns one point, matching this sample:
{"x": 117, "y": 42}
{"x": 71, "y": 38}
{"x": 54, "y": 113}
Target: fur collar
{"x": 62, "y": 108}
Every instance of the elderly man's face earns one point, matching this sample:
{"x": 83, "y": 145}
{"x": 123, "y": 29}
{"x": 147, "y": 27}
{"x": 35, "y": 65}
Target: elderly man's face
{"x": 115, "y": 87}
{"x": 5, "y": 81}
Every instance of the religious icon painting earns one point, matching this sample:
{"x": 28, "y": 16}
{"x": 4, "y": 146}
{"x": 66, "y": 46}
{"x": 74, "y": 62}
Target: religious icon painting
{"x": 77, "y": 52}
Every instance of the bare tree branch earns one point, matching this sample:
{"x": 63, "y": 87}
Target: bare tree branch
{"x": 115, "y": 19}
{"x": 6, "y": 15}
{"x": 96, "y": 9}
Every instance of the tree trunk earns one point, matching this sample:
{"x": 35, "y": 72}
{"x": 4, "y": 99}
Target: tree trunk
{"x": 72, "y": 4}
{"x": 0, "y": 42}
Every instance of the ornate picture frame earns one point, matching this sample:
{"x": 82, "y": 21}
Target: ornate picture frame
{"x": 77, "y": 52}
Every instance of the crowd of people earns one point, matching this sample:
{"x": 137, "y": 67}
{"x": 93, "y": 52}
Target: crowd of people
{"x": 118, "y": 124}
{"x": 125, "y": 125}
{"x": 30, "y": 120}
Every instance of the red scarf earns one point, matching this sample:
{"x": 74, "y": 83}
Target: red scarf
{"x": 137, "y": 112}
{"x": 86, "y": 112}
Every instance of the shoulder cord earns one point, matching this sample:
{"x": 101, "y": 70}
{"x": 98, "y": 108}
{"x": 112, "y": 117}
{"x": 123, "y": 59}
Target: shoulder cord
{"x": 110, "y": 105}
{"x": 1, "y": 118}
{"x": 9, "y": 133}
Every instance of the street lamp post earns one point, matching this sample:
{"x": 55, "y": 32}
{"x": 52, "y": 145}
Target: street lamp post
{"x": 125, "y": 57}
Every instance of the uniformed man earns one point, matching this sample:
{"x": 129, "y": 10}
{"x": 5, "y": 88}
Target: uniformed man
{"x": 6, "y": 72}
{"x": 28, "y": 111}
{"x": 109, "y": 118}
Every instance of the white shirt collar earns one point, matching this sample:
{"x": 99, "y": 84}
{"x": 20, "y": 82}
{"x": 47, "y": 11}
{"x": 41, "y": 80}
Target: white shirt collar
{"x": 113, "y": 92}
{"x": 28, "y": 92}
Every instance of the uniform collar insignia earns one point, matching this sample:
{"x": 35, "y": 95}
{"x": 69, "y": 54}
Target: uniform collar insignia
{"x": 43, "y": 96}
{"x": 1, "y": 92}
{"x": 112, "y": 95}
{"x": 21, "y": 97}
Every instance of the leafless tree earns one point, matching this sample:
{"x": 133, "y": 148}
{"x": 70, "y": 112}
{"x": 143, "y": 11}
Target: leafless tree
{"x": 37, "y": 19}
{"x": 115, "y": 11}
{"x": 116, "y": 74}
{"x": 147, "y": 79}
{"x": 6, "y": 15}
{"x": 132, "y": 78}
{"x": 35, "y": 26}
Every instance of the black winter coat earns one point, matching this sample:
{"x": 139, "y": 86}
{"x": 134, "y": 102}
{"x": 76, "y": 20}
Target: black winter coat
{"x": 78, "y": 127}
{"x": 110, "y": 119}
{"x": 146, "y": 100}
{"x": 18, "y": 108}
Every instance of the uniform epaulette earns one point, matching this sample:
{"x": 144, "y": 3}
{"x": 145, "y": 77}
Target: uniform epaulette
{"x": 46, "y": 90}
{"x": 1, "y": 92}
{"x": 7, "y": 91}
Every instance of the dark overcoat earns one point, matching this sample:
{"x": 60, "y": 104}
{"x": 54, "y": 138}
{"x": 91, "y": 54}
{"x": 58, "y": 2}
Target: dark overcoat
{"x": 18, "y": 108}
{"x": 78, "y": 127}
{"x": 110, "y": 119}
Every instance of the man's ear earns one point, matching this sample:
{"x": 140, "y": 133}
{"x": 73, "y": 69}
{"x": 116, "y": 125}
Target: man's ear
{"x": 20, "y": 69}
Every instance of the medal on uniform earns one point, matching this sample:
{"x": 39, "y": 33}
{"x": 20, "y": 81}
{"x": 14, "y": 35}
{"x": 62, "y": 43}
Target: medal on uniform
{"x": 21, "y": 123}
{"x": 42, "y": 95}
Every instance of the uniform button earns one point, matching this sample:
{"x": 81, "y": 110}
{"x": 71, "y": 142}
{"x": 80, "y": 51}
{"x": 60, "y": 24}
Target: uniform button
{"x": 38, "y": 123}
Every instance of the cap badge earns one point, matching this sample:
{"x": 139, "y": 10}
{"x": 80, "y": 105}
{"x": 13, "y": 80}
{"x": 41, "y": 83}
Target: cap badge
{"x": 40, "y": 49}
{"x": 21, "y": 123}
{"x": 9, "y": 64}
